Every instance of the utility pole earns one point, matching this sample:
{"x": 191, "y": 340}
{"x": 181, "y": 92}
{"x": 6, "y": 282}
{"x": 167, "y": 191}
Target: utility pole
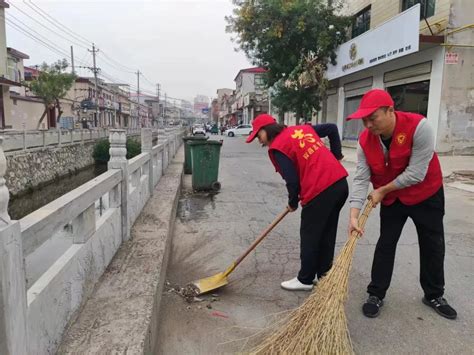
{"x": 164, "y": 111}
{"x": 138, "y": 96}
{"x": 72, "y": 61}
{"x": 138, "y": 85}
{"x": 95, "y": 70}
{"x": 158, "y": 87}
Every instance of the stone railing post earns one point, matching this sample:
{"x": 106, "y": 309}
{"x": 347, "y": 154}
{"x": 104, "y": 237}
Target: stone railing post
{"x": 147, "y": 145}
{"x": 118, "y": 160}
{"x": 13, "y": 302}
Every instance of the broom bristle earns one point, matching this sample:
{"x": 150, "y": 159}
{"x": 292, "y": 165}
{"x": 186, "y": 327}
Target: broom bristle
{"x": 319, "y": 325}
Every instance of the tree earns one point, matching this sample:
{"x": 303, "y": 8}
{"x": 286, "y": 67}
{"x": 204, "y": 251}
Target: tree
{"x": 51, "y": 86}
{"x": 295, "y": 40}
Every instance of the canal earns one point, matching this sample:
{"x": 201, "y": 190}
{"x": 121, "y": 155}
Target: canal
{"x": 19, "y": 207}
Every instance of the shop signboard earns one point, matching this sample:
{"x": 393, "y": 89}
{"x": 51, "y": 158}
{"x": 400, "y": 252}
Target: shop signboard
{"x": 394, "y": 39}
{"x": 451, "y": 58}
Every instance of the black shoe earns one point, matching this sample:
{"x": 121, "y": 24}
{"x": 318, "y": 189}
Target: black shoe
{"x": 441, "y": 306}
{"x": 371, "y": 307}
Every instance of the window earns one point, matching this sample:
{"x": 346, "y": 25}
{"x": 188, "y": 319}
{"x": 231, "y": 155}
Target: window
{"x": 411, "y": 97}
{"x": 427, "y": 7}
{"x": 361, "y": 22}
{"x": 259, "y": 81}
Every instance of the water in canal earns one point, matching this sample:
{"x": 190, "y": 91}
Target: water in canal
{"x": 24, "y": 205}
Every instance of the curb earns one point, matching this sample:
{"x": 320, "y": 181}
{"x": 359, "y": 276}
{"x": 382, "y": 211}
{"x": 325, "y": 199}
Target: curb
{"x": 121, "y": 316}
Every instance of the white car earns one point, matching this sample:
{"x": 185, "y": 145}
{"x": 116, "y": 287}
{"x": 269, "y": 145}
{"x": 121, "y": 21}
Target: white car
{"x": 199, "y": 130}
{"x": 240, "y": 130}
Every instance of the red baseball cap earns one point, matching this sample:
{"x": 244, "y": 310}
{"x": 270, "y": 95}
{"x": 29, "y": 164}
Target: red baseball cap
{"x": 371, "y": 101}
{"x": 258, "y": 123}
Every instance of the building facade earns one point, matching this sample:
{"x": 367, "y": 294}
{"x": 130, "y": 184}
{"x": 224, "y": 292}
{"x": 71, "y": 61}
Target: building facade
{"x": 224, "y": 102}
{"x": 422, "y": 54}
{"x": 201, "y": 106}
{"x": 251, "y": 97}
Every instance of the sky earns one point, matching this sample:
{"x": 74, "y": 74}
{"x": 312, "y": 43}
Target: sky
{"x": 181, "y": 44}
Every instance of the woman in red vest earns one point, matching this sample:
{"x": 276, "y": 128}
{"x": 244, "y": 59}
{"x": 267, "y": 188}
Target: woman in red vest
{"x": 396, "y": 153}
{"x": 313, "y": 177}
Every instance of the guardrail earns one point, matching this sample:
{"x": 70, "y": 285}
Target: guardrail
{"x": 52, "y": 258}
{"x": 24, "y": 140}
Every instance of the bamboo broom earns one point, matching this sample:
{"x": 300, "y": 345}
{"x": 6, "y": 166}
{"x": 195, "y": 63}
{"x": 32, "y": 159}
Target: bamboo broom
{"x": 319, "y": 325}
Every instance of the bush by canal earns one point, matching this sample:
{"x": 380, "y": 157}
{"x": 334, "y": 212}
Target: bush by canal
{"x": 101, "y": 150}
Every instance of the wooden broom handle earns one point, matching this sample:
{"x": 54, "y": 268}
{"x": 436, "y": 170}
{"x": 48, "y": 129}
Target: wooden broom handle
{"x": 363, "y": 218}
{"x": 262, "y": 236}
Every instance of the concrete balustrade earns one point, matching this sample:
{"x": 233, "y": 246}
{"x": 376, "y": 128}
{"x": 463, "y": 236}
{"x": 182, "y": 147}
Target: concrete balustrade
{"x": 25, "y": 140}
{"x": 96, "y": 218}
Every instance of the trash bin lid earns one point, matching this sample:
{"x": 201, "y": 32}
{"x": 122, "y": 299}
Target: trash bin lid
{"x": 195, "y": 138}
{"x": 203, "y": 142}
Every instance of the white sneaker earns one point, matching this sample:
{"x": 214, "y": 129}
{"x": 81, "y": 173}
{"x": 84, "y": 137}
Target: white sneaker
{"x": 295, "y": 285}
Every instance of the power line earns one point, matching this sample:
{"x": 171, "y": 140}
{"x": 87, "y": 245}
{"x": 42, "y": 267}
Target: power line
{"x": 37, "y": 35}
{"x": 36, "y": 39}
{"x": 56, "y": 23}
{"x": 55, "y": 32}
{"x": 45, "y": 15}
{"x": 111, "y": 65}
{"x": 76, "y": 36}
{"x": 41, "y": 24}
{"x": 149, "y": 81}
{"x": 128, "y": 69}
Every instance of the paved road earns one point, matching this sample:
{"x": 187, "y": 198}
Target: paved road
{"x": 211, "y": 231}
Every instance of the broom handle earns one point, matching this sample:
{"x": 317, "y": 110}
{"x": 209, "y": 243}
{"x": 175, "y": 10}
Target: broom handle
{"x": 363, "y": 218}
{"x": 257, "y": 241}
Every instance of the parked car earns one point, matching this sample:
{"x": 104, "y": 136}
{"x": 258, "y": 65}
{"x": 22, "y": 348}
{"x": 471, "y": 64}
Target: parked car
{"x": 199, "y": 130}
{"x": 240, "y": 130}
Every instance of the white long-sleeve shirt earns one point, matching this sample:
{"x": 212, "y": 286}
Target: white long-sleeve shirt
{"x": 422, "y": 152}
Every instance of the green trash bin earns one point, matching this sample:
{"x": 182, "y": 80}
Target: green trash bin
{"x": 188, "y": 169}
{"x": 205, "y": 163}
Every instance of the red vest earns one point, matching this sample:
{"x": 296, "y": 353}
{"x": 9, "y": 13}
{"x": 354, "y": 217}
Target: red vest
{"x": 383, "y": 172}
{"x": 316, "y": 166}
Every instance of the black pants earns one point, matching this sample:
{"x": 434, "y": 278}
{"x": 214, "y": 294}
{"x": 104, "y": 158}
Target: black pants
{"x": 318, "y": 231}
{"x": 428, "y": 219}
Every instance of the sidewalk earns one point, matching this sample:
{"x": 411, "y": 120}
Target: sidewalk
{"x": 450, "y": 166}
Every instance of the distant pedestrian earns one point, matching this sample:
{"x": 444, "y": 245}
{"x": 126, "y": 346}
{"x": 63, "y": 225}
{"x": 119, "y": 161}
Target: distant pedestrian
{"x": 313, "y": 177}
{"x": 396, "y": 153}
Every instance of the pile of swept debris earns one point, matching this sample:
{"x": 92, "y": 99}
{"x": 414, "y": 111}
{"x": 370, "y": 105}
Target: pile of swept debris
{"x": 190, "y": 293}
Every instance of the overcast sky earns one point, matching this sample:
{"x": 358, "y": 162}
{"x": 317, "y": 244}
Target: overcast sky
{"x": 181, "y": 44}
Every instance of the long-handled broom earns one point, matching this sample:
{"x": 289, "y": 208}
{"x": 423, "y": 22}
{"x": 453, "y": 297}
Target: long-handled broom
{"x": 319, "y": 325}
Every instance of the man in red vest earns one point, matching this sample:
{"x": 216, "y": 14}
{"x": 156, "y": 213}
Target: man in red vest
{"x": 313, "y": 177}
{"x": 396, "y": 153}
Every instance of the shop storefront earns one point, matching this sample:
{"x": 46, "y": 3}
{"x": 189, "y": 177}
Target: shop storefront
{"x": 394, "y": 57}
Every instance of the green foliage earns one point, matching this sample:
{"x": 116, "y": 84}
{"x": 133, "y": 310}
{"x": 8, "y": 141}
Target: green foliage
{"x": 295, "y": 40}
{"x": 52, "y": 84}
{"x": 134, "y": 148}
{"x": 101, "y": 150}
